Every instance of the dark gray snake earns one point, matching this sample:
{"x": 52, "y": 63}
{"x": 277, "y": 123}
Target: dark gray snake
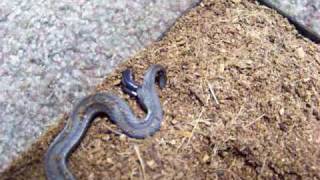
{"x": 118, "y": 112}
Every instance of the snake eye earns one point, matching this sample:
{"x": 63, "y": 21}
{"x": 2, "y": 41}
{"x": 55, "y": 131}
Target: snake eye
{"x": 128, "y": 84}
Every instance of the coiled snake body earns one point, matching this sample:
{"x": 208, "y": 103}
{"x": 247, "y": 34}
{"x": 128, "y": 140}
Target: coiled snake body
{"x": 117, "y": 110}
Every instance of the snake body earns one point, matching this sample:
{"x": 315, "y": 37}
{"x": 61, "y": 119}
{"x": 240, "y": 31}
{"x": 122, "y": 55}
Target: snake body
{"x": 118, "y": 112}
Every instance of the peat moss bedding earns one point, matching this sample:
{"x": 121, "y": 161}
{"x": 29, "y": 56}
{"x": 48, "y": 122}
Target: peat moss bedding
{"x": 242, "y": 101}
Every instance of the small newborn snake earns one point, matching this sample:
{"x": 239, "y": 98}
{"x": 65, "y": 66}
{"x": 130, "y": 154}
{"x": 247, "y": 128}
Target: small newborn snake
{"x": 117, "y": 110}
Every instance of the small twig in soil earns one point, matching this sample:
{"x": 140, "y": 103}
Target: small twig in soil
{"x": 195, "y": 126}
{"x": 204, "y": 121}
{"x": 113, "y": 131}
{"x": 212, "y": 93}
{"x": 136, "y": 148}
{"x": 184, "y": 139}
{"x": 238, "y": 114}
{"x": 251, "y": 123}
{"x": 263, "y": 166}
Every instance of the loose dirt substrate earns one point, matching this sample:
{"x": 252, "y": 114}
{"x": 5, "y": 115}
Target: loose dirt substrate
{"x": 242, "y": 101}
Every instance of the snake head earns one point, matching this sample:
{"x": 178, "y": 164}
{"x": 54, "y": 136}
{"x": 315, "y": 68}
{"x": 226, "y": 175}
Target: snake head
{"x": 129, "y": 86}
{"x": 161, "y": 78}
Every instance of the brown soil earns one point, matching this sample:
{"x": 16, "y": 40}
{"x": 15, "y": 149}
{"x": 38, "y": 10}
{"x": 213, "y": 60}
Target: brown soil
{"x": 242, "y": 102}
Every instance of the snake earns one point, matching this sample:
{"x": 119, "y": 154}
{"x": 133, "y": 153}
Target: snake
{"x": 117, "y": 110}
